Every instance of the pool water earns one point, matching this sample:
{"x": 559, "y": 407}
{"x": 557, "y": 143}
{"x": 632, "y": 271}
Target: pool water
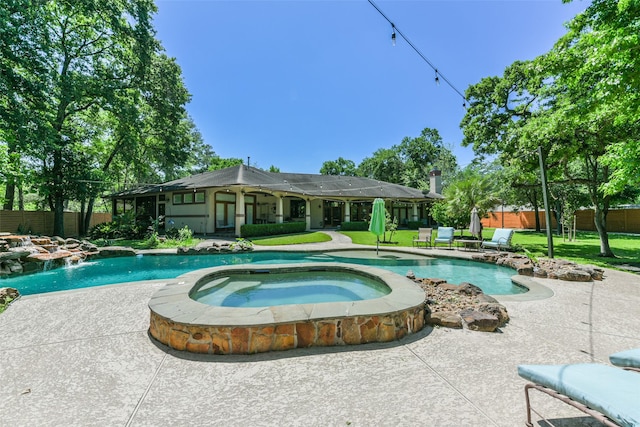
{"x": 492, "y": 279}
{"x": 265, "y": 290}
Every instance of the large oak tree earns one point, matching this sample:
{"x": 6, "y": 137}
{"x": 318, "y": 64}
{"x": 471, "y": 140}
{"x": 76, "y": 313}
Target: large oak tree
{"x": 568, "y": 103}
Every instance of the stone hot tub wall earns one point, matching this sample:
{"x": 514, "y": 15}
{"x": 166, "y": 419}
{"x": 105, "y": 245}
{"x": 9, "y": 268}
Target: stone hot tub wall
{"x": 187, "y": 325}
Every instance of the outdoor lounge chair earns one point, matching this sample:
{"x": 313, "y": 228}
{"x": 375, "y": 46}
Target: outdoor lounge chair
{"x": 501, "y": 239}
{"x": 606, "y": 393}
{"x": 445, "y": 235}
{"x": 628, "y": 359}
{"x": 423, "y": 237}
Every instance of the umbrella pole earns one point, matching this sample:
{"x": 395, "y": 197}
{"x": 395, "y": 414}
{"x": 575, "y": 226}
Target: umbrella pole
{"x": 377, "y": 244}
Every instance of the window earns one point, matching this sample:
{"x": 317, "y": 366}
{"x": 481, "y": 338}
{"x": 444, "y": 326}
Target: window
{"x": 188, "y": 198}
{"x": 123, "y": 205}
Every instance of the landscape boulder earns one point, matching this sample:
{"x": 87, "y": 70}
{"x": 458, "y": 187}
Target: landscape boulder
{"x": 114, "y": 251}
{"x": 447, "y": 319}
{"x": 479, "y": 321}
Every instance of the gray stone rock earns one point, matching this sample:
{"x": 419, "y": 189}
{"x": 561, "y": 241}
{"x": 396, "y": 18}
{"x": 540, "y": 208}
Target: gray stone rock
{"x": 448, "y": 319}
{"x": 486, "y": 298}
{"x": 15, "y": 267}
{"x": 539, "y": 272}
{"x": 88, "y": 246}
{"x": 574, "y": 275}
{"x": 8, "y": 294}
{"x": 448, "y": 286}
{"x": 525, "y": 269}
{"x": 596, "y": 273}
{"x": 495, "y": 309}
{"x": 115, "y": 251}
{"x": 469, "y": 289}
{"x": 479, "y": 321}
{"x": 14, "y": 253}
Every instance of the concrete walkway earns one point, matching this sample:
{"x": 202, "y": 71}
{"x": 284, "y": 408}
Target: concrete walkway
{"x": 84, "y": 358}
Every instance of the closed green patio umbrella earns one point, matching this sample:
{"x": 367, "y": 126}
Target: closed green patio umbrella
{"x": 378, "y": 220}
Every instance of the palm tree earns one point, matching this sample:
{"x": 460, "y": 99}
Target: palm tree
{"x": 470, "y": 189}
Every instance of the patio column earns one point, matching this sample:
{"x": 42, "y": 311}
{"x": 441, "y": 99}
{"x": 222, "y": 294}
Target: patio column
{"x": 239, "y": 212}
{"x": 279, "y": 206}
{"x": 414, "y": 213}
{"x": 307, "y": 214}
{"x": 347, "y": 211}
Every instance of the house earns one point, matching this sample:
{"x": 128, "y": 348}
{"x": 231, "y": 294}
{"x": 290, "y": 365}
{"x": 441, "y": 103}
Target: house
{"x": 224, "y": 200}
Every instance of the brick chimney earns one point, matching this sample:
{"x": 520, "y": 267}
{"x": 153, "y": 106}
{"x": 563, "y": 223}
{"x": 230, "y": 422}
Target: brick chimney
{"x": 435, "y": 181}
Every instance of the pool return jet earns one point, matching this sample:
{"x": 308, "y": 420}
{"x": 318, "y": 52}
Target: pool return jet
{"x": 378, "y": 221}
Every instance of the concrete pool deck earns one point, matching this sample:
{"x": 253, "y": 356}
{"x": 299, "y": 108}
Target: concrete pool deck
{"x": 84, "y": 358}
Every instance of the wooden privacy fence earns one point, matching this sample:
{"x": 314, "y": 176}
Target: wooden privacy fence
{"x": 618, "y": 220}
{"x": 41, "y": 222}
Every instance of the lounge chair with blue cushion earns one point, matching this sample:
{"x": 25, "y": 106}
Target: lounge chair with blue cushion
{"x": 501, "y": 239}
{"x": 628, "y": 359}
{"x": 445, "y": 235}
{"x": 610, "y": 395}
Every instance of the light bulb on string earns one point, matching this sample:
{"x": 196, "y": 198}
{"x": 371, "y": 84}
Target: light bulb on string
{"x": 393, "y": 35}
{"x": 437, "y": 79}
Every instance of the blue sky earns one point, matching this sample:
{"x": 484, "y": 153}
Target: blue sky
{"x": 299, "y": 82}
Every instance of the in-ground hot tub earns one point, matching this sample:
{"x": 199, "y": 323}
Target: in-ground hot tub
{"x": 183, "y": 323}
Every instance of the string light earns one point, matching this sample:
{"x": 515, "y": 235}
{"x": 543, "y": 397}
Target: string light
{"x": 437, "y": 79}
{"x": 424, "y": 58}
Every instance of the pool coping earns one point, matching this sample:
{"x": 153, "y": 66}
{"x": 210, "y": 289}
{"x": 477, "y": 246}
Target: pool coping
{"x": 173, "y": 302}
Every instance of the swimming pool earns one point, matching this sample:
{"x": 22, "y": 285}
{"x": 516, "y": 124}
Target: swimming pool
{"x": 493, "y": 279}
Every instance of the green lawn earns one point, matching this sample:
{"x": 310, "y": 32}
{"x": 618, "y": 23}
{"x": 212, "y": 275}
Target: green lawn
{"x": 291, "y": 239}
{"x": 584, "y": 250}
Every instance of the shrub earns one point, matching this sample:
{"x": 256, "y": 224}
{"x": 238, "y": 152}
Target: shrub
{"x": 173, "y": 233}
{"x": 354, "y": 226}
{"x": 123, "y": 226}
{"x": 185, "y": 233}
{"x": 252, "y": 230}
{"x": 152, "y": 241}
{"x": 241, "y": 245}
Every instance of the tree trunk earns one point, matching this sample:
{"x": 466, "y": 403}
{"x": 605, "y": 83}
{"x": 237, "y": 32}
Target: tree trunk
{"x": 557, "y": 213}
{"x": 9, "y": 195}
{"x": 536, "y": 210}
{"x": 87, "y": 218}
{"x": 600, "y": 220}
{"x": 58, "y": 195}
{"x": 20, "y": 198}
{"x": 58, "y": 214}
{"x": 81, "y": 220}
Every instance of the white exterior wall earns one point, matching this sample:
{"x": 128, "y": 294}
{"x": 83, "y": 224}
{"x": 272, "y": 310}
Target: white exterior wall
{"x": 195, "y": 216}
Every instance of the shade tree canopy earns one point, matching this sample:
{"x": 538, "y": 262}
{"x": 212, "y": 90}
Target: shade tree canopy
{"x": 567, "y": 103}
{"x": 89, "y": 100}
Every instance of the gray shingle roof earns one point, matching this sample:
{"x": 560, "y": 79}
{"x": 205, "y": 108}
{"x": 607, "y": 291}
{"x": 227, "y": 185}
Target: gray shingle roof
{"x": 314, "y": 185}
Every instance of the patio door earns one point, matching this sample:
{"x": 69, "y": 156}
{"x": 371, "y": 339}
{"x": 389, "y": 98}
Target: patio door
{"x": 225, "y": 211}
